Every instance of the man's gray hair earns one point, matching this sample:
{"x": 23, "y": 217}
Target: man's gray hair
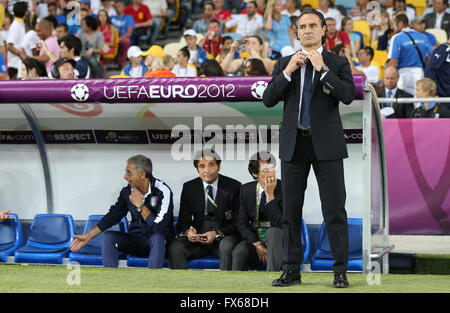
{"x": 142, "y": 163}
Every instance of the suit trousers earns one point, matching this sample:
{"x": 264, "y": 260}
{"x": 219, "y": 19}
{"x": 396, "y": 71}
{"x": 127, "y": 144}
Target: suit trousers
{"x": 181, "y": 250}
{"x": 153, "y": 247}
{"x": 244, "y": 254}
{"x": 330, "y": 180}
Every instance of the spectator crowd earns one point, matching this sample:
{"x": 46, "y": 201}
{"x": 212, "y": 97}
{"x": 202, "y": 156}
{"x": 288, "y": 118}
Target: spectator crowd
{"x": 43, "y": 39}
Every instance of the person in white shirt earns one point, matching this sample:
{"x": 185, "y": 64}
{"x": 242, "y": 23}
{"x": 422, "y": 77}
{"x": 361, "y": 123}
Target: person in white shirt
{"x": 247, "y": 24}
{"x": 158, "y": 10}
{"x": 31, "y": 39}
{"x": 324, "y": 8}
{"x": 16, "y": 35}
{"x": 291, "y": 8}
{"x": 365, "y": 56}
{"x": 106, "y": 5}
{"x": 182, "y": 68}
{"x": 400, "y": 6}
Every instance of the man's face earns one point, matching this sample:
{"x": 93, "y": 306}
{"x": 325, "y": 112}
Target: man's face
{"x": 133, "y": 176}
{"x": 208, "y": 11}
{"x": 323, "y": 3}
{"x": 64, "y": 51}
{"x": 266, "y": 170}
{"x": 218, "y": 4}
{"x": 40, "y": 31}
{"x": 310, "y": 31}
{"x": 208, "y": 169}
{"x": 331, "y": 27}
{"x": 420, "y": 27}
{"x": 51, "y": 10}
{"x": 216, "y": 28}
{"x": 66, "y": 71}
{"x": 119, "y": 6}
{"x": 439, "y": 6}
{"x": 191, "y": 41}
{"x": 227, "y": 44}
{"x": 181, "y": 59}
{"x": 399, "y": 6}
{"x": 60, "y": 32}
{"x": 390, "y": 78}
{"x": 136, "y": 61}
{"x": 362, "y": 2}
{"x": 251, "y": 9}
{"x": 364, "y": 57}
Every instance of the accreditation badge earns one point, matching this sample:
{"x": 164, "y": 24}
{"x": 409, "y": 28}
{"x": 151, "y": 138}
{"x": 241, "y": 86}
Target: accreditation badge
{"x": 140, "y": 15}
{"x": 153, "y": 201}
{"x": 228, "y": 214}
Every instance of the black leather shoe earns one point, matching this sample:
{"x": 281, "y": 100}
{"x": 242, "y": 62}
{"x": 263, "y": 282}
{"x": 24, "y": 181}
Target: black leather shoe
{"x": 340, "y": 280}
{"x": 289, "y": 277}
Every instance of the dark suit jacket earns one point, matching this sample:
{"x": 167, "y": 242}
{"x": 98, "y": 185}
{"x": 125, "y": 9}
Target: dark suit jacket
{"x": 247, "y": 211}
{"x": 192, "y": 205}
{"x": 402, "y": 110}
{"x": 326, "y": 126}
{"x": 430, "y": 20}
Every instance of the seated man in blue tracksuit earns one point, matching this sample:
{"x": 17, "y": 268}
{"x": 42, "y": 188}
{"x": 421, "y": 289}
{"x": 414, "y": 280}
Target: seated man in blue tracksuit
{"x": 150, "y": 203}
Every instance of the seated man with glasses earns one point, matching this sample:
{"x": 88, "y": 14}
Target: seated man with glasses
{"x": 260, "y": 217}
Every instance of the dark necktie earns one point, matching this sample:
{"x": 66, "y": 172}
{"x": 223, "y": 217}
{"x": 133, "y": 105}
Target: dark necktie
{"x": 262, "y": 201}
{"x": 305, "y": 121}
{"x": 209, "y": 206}
{"x": 389, "y": 95}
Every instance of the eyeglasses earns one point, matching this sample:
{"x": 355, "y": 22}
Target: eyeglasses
{"x": 268, "y": 169}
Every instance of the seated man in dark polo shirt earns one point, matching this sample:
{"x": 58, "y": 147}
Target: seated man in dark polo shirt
{"x": 206, "y": 220}
{"x": 150, "y": 203}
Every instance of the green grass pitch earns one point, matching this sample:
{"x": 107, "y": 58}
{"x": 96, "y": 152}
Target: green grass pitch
{"x": 43, "y": 279}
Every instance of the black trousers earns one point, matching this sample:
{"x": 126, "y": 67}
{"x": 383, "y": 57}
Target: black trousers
{"x": 330, "y": 179}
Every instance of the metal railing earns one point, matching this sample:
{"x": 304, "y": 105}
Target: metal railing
{"x": 412, "y": 100}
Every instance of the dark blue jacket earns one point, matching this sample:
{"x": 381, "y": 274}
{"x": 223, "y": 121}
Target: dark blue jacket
{"x": 438, "y": 69}
{"x": 159, "y": 202}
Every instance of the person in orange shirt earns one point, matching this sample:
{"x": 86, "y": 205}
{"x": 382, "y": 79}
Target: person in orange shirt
{"x": 154, "y": 60}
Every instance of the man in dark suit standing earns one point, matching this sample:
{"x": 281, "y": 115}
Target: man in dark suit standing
{"x": 260, "y": 216}
{"x": 439, "y": 19}
{"x": 391, "y": 90}
{"x": 312, "y": 82}
{"x": 208, "y": 210}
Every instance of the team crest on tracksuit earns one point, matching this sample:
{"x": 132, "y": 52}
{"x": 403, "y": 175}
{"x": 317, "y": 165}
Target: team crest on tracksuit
{"x": 153, "y": 201}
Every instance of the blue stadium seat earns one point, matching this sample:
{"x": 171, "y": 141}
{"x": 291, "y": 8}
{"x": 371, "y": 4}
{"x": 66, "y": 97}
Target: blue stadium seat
{"x": 49, "y": 239}
{"x": 306, "y": 250}
{"x": 10, "y": 237}
{"x": 91, "y": 254}
{"x": 323, "y": 259}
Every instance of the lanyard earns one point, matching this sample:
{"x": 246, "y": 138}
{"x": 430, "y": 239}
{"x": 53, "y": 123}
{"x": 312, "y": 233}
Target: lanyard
{"x": 257, "y": 206}
{"x": 210, "y": 199}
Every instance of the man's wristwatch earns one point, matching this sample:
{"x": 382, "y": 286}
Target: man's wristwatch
{"x": 324, "y": 69}
{"x": 139, "y": 208}
{"x": 218, "y": 236}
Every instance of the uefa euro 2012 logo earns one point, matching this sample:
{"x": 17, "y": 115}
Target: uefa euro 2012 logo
{"x": 258, "y": 88}
{"x": 79, "y": 92}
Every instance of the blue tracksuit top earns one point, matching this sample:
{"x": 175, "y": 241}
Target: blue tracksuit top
{"x": 159, "y": 202}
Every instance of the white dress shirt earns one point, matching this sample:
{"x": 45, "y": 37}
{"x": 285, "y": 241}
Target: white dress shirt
{"x": 214, "y": 192}
{"x": 302, "y": 78}
{"x": 245, "y": 26}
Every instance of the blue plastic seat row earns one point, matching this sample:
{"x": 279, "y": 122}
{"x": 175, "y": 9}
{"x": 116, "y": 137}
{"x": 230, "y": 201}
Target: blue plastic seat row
{"x": 51, "y": 235}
